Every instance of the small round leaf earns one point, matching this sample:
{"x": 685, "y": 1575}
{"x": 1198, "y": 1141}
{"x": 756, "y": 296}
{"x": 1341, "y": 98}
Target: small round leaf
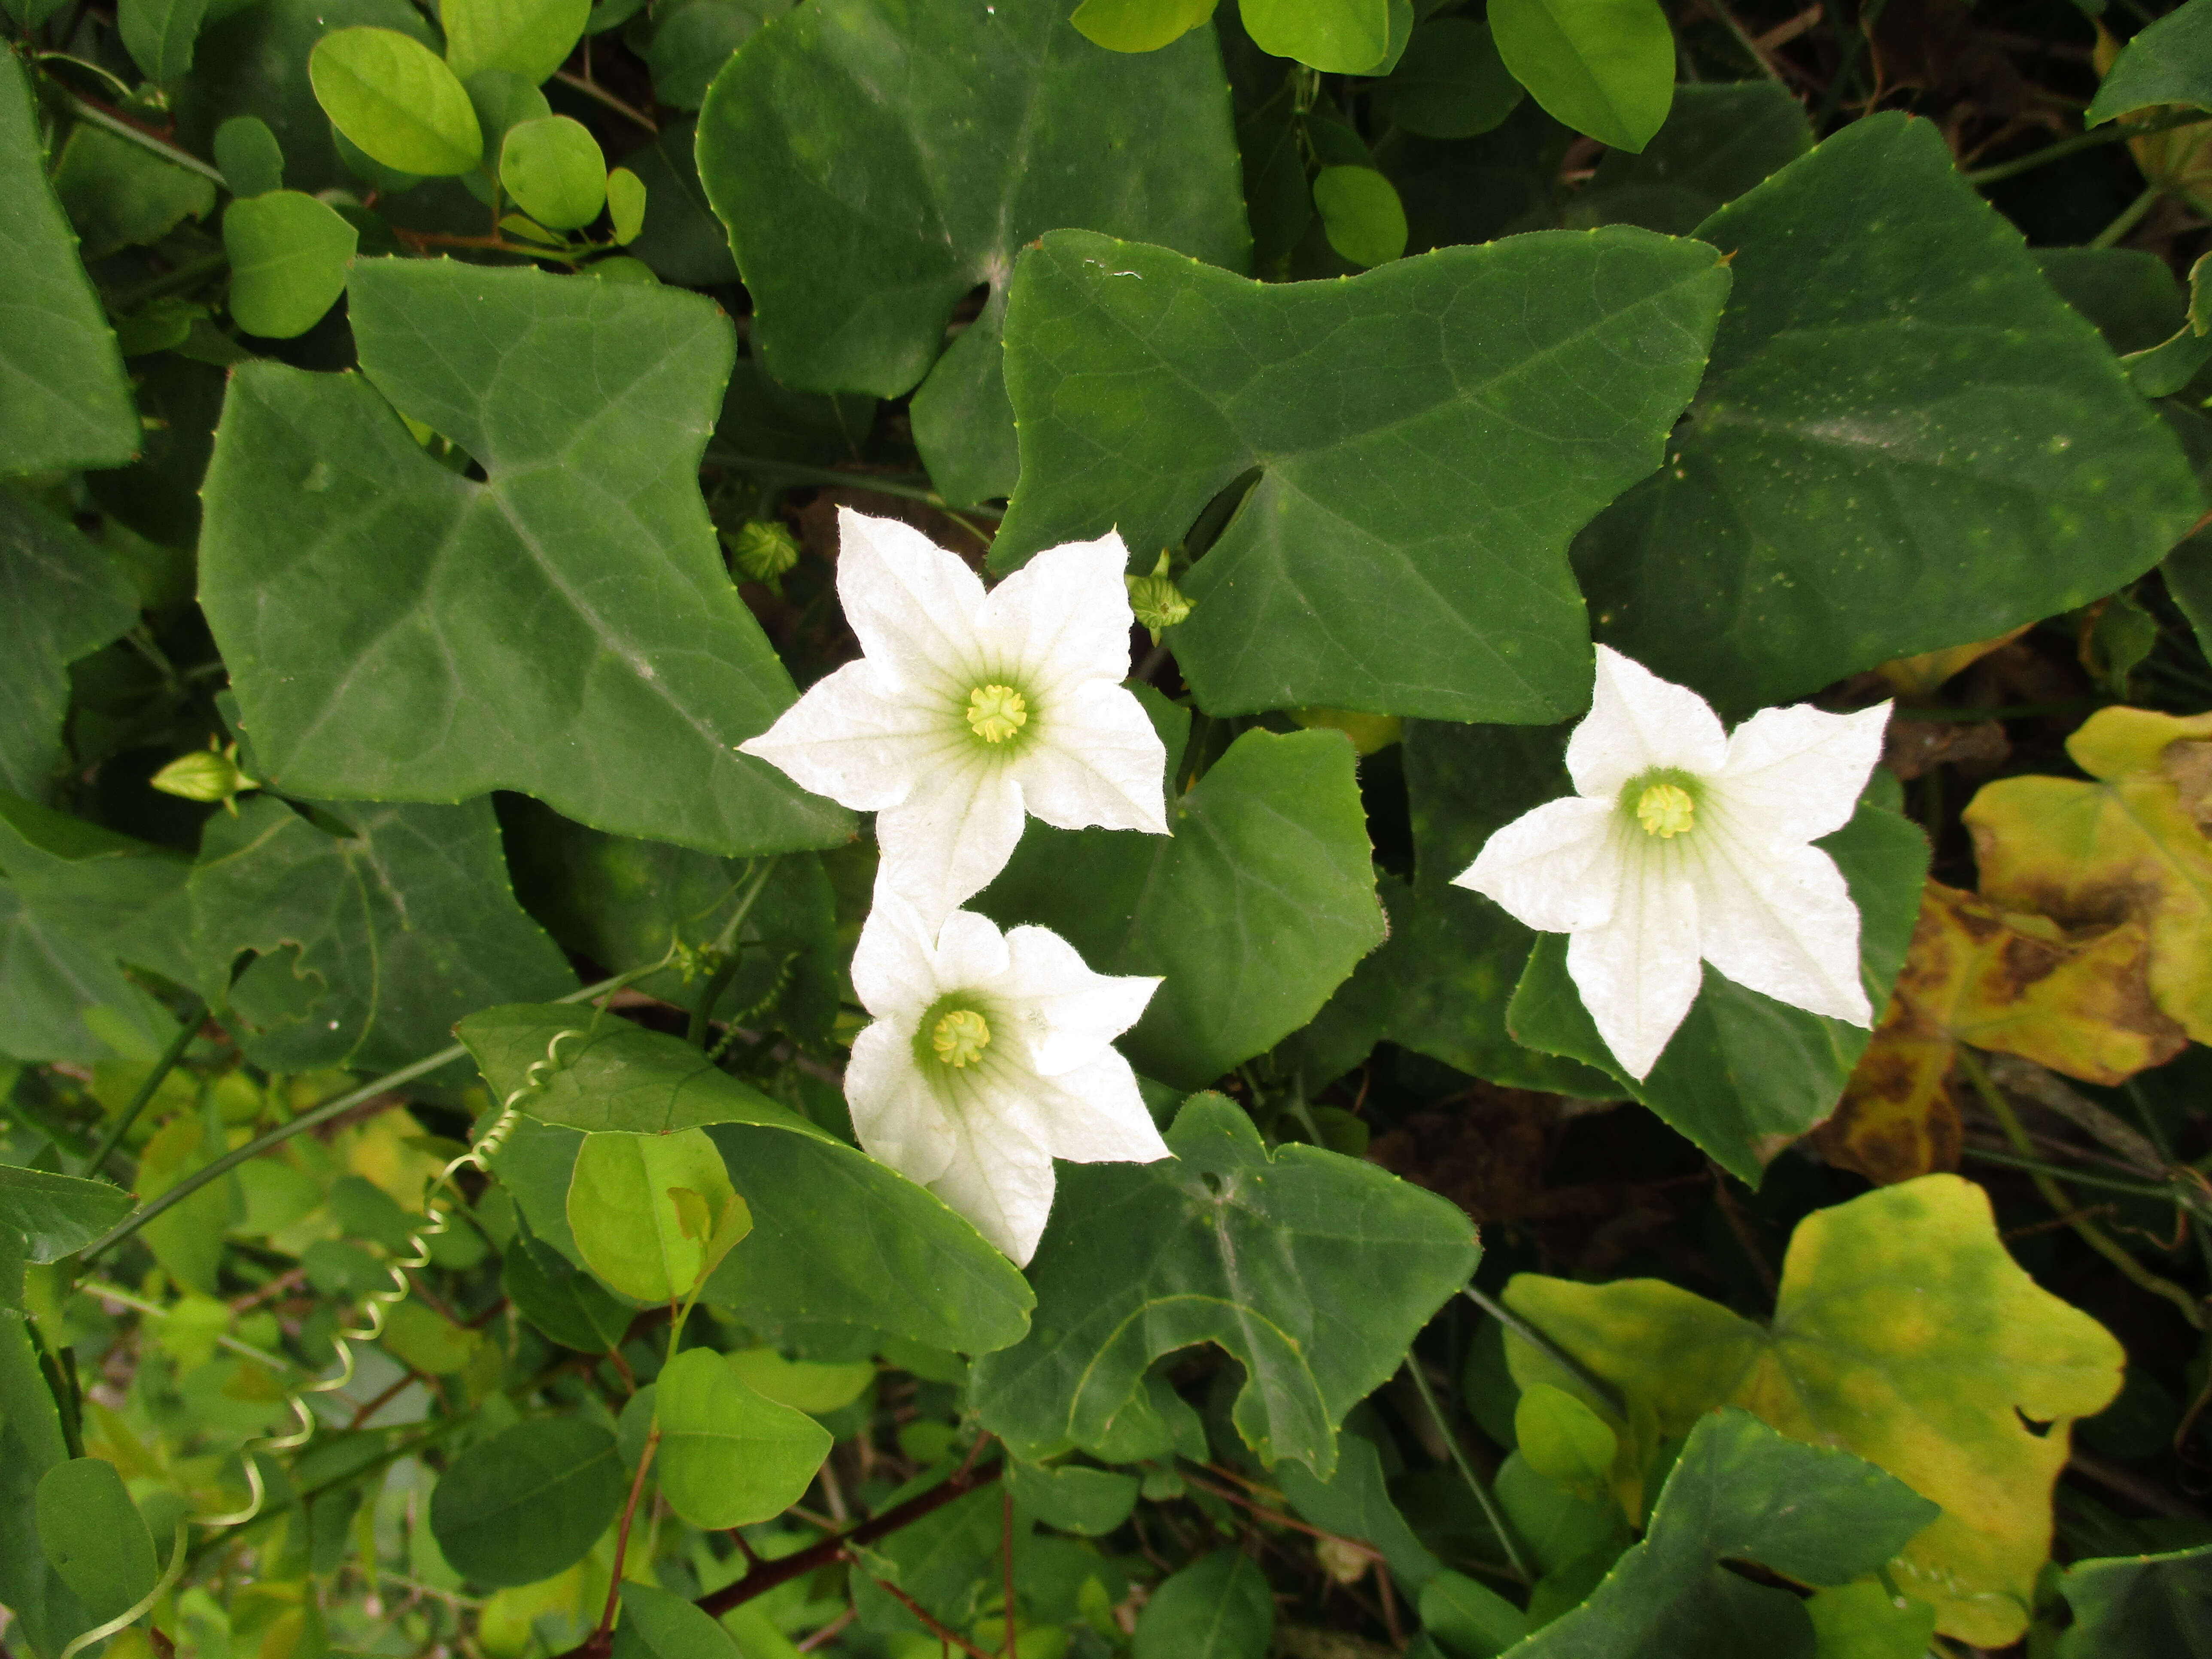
{"x": 393, "y": 96}
{"x": 289, "y": 254}
{"x": 730, "y": 1456}
{"x": 1361, "y": 213}
{"x": 252, "y": 161}
{"x": 1451, "y": 82}
{"x": 527, "y": 1503}
{"x": 553, "y": 168}
{"x": 1139, "y": 25}
{"x": 629, "y": 1224}
{"x": 526, "y": 38}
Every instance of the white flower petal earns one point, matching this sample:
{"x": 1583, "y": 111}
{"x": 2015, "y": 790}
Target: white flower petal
{"x": 848, "y": 739}
{"x": 912, "y": 604}
{"x": 1063, "y": 617}
{"x": 1780, "y": 922}
{"x": 896, "y": 1113}
{"x": 1096, "y": 761}
{"x": 1000, "y": 1176}
{"x": 943, "y": 844}
{"x": 1795, "y": 774}
{"x": 972, "y": 954}
{"x": 894, "y": 964}
{"x": 1554, "y": 869}
{"x": 1096, "y": 1114}
{"x": 1064, "y": 1015}
{"x": 1637, "y": 721}
{"x": 1639, "y": 973}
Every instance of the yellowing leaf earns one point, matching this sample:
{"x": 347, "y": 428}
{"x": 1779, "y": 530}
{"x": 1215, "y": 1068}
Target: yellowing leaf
{"x": 1922, "y": 676}
{"x": 2015, "y": 984}
{"x": 2130, "y": 847}
{"x": 1903, "y": 1333}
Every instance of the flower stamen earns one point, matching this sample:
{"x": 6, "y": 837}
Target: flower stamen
{"x": 960, "y": 1037}
{"x": 995, "y": 713}
{"x": 1665, "y": 810}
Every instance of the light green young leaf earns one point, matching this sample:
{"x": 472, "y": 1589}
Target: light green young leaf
{"x": 248, "y": 155}
{"x": 63, "y": 400}
{"x": 529, "y": 1502}
{"x": 1255, "y": 909}
{"x": 389, "y": 94}
{"x": 94, "y": 1537}
{"x": 289, "y": 254}
{"x": 1313, "y": 1270}
{"x": 1139, "y": 25}
{"x": 1563, "y": 1439}
{"x": 553, "y": 168}
{"x": 1403, "y": 551}
{"x": 526, "y": 38}
{"x": 1860, "y": 479}
{"x": 158, "y": 36}
{"x": 987, "y": 129}
{"x": 1602, "y": 67}
{"x": 587, "y": 405}
{"x": 626, "y": 204}
{"x": 1722, "y": 138}
{"x": 1345, "y": 37}
{"x": 1863, "y": 1620}
{"x": 1361, "y": 213}
{"x": 624, "y": 1215}
{"x": 729, "y": 1457}
{"x": 1467, "y": 1620}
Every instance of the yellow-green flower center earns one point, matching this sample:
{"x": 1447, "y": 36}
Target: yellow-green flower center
{"x": 995, "y": 713}
{"x": 960, "y": 1037}
{"x": 1665, "y": 810}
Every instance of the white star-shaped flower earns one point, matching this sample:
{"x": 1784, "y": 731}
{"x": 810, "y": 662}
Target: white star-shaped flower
{"x": 1684, "y": 845}
{"x": 969, "y": 709}
{"x": 992, "y": 1054}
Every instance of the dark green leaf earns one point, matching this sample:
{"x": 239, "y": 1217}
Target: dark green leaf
{"x": 63, "y": 401}
{"x": 159, "y": 34}
{"x": 1862, "y": 476}
{"x": 61, "y": 596}
{"x": 57, "y": 1215}
{"x": 683, "y": 240}
{"x": 1071, "y": 1497}
{"x": 877, "y": 162}
{"x": 116, "y": 193}
{"x": 562, "y": 1301}
{"x": 289, "y": 254}
{"x": 376, "y": 928}
{"x": 1467, "y": 1620}
{"x": 2168, "y": 62}
{"x": 94, "y": 1537}
{"x": 1746, "y": 1075}
{"x": 1313, "y": 1270}
{"x": 1721, "y": 139}
{"x": 1355, "y": 1503}
{"x": 836, "y": 1236}
{"x": 1603, "y": 67}
{"x": 1451, "y": 82}
{"x": 529, "y": 1502}
{"x": 587, "y": 404}
{"x": 2129, "y": 295}
{"x": 730, "y": 1456}
{"x": 1739, "y": 1492}
{"x": 692, "y": 39}
{"x": 1422, "y": 462}
{"x": 1255, "y": 909}
{"x": 2143, "y": 1607}
{"x": 1220, "y": 1606}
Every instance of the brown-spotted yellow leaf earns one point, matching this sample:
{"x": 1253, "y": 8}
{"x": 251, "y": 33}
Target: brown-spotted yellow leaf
{"x": 1902, "y": 1332}
{"x": 2079, "y": 1004}
{"x": 2130, "y": 847}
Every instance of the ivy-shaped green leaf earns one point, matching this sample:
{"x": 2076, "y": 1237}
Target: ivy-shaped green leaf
{"x": 1428, "y": 437}
{"x": 1906, "y": 442}
{"x": 878, "y": 161}
{"x": 1313, "y": 1270}
{"x": 564, "y": 627}
{"x": 61, "y": 596}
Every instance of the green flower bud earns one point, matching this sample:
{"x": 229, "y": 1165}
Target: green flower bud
{"x": 764, "y": 549}
{"x": 207, "y": 775}
{"x": 1156, "y": 601}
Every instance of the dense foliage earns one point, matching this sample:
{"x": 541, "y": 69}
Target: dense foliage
{"x": 504, "y": 1150}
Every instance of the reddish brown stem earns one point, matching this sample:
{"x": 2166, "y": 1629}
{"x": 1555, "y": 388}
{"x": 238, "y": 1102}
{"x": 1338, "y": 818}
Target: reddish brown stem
{"x": 930, "y": 1623}
{"x": 598, "y": 1637}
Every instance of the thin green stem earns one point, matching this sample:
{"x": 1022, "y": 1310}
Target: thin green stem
{"x": 2136, "y": 1188}
{"x": 703, "y": 1013}
{"x": 322, "y": 1113}
{"x": 1550, "y": 1350}
{"x": 881, "y": 484}
{"x": 93, "y": 115}
{"x": 1719, "y": 9}
{"x": 2091, "y": 140}
{"x": 593, "y": 90}
{"x": 162, "y": 1067}
{"x": 2063, "y": 1206}
{"x": 1490, "y": 1509}
{"x": 2156, "y": 1131}
{"x": 2130, "y": 217}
